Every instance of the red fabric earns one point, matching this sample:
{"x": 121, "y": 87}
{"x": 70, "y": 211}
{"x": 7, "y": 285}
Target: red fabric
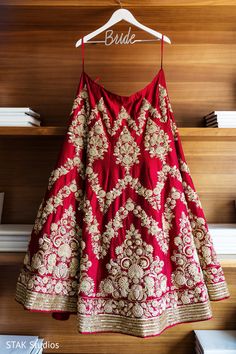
{"x": 61, "y": 316}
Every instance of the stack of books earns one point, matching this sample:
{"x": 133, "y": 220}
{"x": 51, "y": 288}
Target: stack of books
{"x": 215, "y": 342}
{"x": 221, "y": 119}
{"x": 18, "y": 344}
{"x": 19, "y": 117}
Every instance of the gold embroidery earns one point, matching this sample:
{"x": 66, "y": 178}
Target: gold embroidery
{"x": 97, "y": 143}
{"x": 156, "y": 141}
{"x": 82, "y": 97}
{"x": 134, "y": 274}
{"x": 191, "y": 194}
{"x": 101, "y": 242}
{"x": 65, "y": 168}
{"x": 183, "y": 166}
{"x": 37, "y": 301}
{"x": 97, "y": 322}
{"x": 54, "y": 202}
{"x": 123, "y": 115}
{"x": 86, "y": 283}
{"x": 210, "y": 265}
{"x": 126, "y": 150}
{"x": 134, "y": 295}
{"x": 217, "y": 291}
{"x": 153, "y": 196}
{"x": 165, "y": 105}
{"x": 77, "y": 131}
{"x": 53, "y": 268}
{"x": 188, "y": 272}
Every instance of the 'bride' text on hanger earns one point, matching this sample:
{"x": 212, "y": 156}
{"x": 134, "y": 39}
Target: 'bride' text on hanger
{"x": 128, "y": 38}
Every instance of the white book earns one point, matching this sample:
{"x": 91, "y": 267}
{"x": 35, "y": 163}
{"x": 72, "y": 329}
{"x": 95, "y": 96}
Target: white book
{"x": 221, "y": 113}
{"x": 18, "y": 124}
{"x": 22, "y": 119}
{"x": 216, "y": 341}
{"x": 221, "y": 125}
{"x": 17, "y": 109}
{"x": 222, "y": 119}
{"x": 19, "y": 114}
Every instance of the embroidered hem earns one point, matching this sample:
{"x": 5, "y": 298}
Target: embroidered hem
{"x": 144, "y": 327}
{"x": 218, "y": 291}
{"x": 44, "y": 302}
{"x": 141, "y": 327}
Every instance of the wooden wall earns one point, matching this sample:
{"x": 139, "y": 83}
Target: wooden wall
{"x": 40, "y": 65}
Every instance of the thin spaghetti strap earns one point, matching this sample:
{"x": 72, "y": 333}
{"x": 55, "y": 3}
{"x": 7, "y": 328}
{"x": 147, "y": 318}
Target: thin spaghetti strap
{"x": 162, "y": 47}
{"x": 82, "y": 47}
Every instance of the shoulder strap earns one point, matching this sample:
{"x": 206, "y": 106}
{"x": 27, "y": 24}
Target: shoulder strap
{"x": 162, "y": 47}
{"x": 82, "y": 49}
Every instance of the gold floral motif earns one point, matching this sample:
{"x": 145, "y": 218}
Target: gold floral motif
{"x": 142, "y": 116}
{"x": 81, "y": 98}
{"x": 191, "y": 194}
{"x": 210, "y": 265}
{"x": 97, "y": 142}
{"x": 135, "y": 274}
{"x": 117, "y": 122}
{"x": 183, "y": 166}
{"x": 52, "y": 203}
{"x": 115, "y": 305}
{"x": 156, "y": 141}
{"x": 53, "y": 268}
{"x": 165, "y": 105}
{"x": 174, "y": 129}
{"x": 136, "y": 124}
{"x": 168, "y": 214}
{"x": 126, "y": 150}
{"x": 86, "y": 283}
{"x": 187, "y": 272}
{"x": 101, "y": 242}
{"x": 77, "y": 131}
{"x": 66, "y": 168}
{"x": 153, "y": 196}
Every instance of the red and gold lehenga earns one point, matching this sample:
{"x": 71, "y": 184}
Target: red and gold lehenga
{"x": 120, "y": 237}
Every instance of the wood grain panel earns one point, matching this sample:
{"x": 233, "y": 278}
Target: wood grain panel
{"x": 37, "y": 48}
{"x": 168, "y": 18}
{"x": 114, "y": 4}
{"x": 27, "y": 166}
{"x": 178, "y": 339}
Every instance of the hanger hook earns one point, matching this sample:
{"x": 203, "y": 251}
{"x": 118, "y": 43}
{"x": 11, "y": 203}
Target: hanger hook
{"x": 119, "y": 2}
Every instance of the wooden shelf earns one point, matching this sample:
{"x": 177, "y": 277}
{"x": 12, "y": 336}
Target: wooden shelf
{"x": 23, "y": 131}
{"x": 186, "y": 133}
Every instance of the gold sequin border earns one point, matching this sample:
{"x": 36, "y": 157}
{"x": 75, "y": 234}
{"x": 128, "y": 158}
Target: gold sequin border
{"x": 218, "y": 291}
{"x": 44, "y": 302}
{"x": 144, "y": 327}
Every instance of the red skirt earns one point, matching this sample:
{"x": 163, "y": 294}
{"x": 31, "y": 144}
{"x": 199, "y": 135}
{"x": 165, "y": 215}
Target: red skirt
{"x": 120, "y": 238}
